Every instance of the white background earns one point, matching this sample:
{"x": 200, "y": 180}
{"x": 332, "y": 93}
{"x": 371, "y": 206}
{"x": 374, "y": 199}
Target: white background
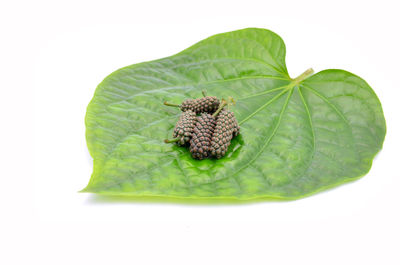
{"x": 54, "y": 53}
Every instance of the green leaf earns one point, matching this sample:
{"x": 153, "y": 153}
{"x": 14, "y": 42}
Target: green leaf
{"x": 298, "y": 136}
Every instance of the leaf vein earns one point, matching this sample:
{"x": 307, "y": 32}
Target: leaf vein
{"x": 333, "y": 106}
{"x": 312, "y": 130}
{"x": 263, "y": 93}
{"x": 262, "y": 107}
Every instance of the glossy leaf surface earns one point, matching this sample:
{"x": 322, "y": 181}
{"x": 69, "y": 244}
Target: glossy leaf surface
{"x": 298, "y": 136}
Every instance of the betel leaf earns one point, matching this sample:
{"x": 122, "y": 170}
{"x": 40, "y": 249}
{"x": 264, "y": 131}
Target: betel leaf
{"x": 298, "y": 136}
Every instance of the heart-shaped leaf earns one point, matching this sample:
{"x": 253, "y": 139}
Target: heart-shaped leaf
{"x": 298, "y": 136}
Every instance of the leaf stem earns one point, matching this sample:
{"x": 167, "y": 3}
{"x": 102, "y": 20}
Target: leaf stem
{"x": 168, "y": 141}
{"x": 171, "y": 105}
{"x": 231, "y": 101}
{"x": 303, "y": 76}
{"x": 221, "y": 106}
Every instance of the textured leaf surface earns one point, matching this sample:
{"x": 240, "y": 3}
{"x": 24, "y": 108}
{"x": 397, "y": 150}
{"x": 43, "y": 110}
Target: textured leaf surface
{"x": 297, "y": 138}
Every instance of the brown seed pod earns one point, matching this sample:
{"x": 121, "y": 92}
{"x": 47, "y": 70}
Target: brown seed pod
{"x": 205, "y": 104}
{"x": 187, "y": 104}
{"x": 184, "y": 127}
{"x": 201, "y": 137}
{"x": 226, "y": 128}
